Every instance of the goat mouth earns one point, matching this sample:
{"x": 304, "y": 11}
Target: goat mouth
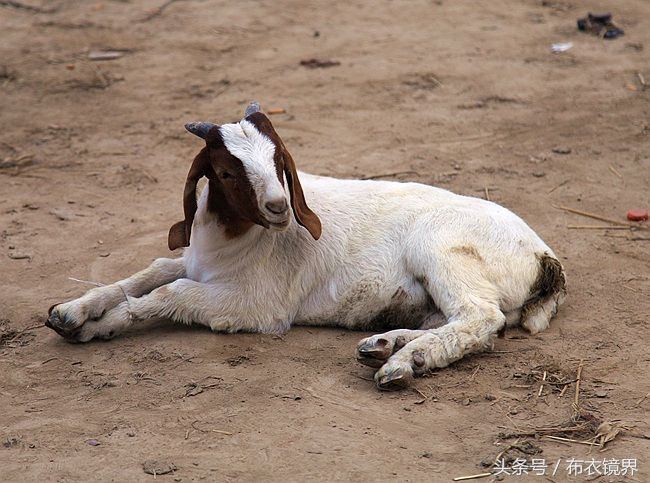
{"x": 278, "y": 225}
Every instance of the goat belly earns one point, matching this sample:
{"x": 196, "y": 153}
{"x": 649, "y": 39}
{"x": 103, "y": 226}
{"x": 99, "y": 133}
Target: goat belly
{"x": 405, "y": 307}
{"x": 369, "y": 304}
{"x": 397, "y": 316}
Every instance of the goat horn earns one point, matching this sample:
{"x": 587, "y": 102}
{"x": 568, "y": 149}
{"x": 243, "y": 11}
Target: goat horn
{"x": 252, "y": 108}
{"x": 200, "y": 129}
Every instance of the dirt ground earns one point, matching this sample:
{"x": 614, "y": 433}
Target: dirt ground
{"x": 461, "y": 94}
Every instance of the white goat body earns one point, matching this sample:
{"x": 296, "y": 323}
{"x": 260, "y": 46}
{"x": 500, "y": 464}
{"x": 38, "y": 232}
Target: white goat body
{"x": 382, "y": 240}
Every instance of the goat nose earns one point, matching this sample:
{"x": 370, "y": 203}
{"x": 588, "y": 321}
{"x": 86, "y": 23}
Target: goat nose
{"x": 278, "y": 207}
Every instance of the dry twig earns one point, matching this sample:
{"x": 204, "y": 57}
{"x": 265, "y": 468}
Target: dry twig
{"x": 472, "y": 477}
{"x": 389, "y": 175}
{"x": 96, "y": 284}
{"x": 613, "y": 170}
{"x": 29, "y": 8}
{"x": 576, "y": 399}
{"x": 638, "y": 403}
{"x": 558, "y": 186}
{"x": 200, "y": 430}
{"x": 598, "y": 227}
{"x": 541, "y": 386}
{"x": 598, "y": 217}
{"x": 569, "y": 440}
{"x": 158, "y": 11}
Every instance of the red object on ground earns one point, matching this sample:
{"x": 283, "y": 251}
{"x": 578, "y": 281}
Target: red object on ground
{"x": 637, "y": 215}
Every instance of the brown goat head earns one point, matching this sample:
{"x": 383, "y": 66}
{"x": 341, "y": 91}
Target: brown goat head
{"x": 246, "y": 164}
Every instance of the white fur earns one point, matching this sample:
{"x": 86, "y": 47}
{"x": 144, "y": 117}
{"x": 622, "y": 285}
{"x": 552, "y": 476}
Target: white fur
{"x": 384, "y": 246}
{"x": 255, "y": 150}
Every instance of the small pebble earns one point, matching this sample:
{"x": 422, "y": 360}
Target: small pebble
{"x": 61, "y": 215}
{"x": 561, "y": 150}
{"x": 19, "y": 256}
{"x": 155, "y": 467}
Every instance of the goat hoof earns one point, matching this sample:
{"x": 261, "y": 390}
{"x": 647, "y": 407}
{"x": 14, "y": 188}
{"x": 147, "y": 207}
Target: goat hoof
{"x": 394, "y": 378}
{"x": 62, "y": 324}
{"x": 377, "y": 348}
{"x": 374, "y": 352}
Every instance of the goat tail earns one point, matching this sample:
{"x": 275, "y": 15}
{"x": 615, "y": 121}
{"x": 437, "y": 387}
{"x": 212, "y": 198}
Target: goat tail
{"x": 546, "y": 294}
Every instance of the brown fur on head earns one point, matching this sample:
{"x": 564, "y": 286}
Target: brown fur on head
{"x": 284, "y": 163}
{"x": 232, "y": 195}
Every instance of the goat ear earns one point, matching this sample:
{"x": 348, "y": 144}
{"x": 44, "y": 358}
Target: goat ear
{"x": 303, "y": 214}
{"x": 176, "y": 238}
{"x": 180, "y": 233}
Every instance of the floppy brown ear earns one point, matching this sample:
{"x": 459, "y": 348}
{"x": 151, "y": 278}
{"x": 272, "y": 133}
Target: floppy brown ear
{"x": 303, "y": 214}
{"x": 177, "y": 238}
{"x": 179, "y": 233}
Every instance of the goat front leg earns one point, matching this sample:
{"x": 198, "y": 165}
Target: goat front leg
{"x": 68, "y": 318}
{"x": 471, "y": 329}
{"x": 184, "y": 301}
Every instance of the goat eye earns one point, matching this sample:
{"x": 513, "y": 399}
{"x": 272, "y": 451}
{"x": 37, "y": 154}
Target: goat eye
{"x": 226, "y": 175}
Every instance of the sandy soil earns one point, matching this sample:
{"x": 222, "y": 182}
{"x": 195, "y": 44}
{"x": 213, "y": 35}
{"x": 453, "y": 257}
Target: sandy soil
{"x": 460, "y": 94}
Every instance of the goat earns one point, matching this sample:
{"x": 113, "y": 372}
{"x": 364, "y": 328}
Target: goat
{"x": 443, "y": 273}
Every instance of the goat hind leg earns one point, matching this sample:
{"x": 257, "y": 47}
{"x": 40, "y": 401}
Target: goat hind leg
{"x": 375, "y": 350}
{"x": 470, "y": 330}
{"x": 67, "y": 318}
